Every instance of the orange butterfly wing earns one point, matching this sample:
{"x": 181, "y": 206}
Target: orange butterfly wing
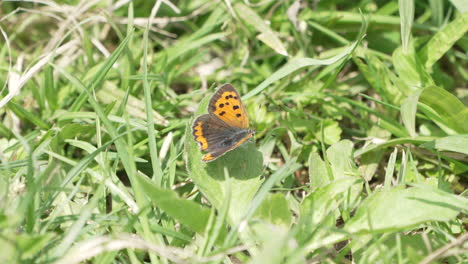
{"x": 225, "y": 127}
{"x": 227, "y": 105}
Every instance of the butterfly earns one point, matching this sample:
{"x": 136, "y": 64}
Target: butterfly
{"x": 225, "y": 127}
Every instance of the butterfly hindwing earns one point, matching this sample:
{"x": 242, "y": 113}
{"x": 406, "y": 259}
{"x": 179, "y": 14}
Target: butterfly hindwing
{"x": 227, "y": 105}
{"x": 243, "y": 136}
{"x": 217, "y": 137}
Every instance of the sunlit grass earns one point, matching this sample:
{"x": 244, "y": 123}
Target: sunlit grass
{"x": 360, "y": 153}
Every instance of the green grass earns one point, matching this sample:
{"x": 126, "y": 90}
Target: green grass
{"x": 360, "y": 155}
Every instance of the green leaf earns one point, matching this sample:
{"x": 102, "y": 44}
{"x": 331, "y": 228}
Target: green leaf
{"x": 135, "y": 107}
{"x": 386, "y": 122}
{"x": 331, "y": 132}
{"x": 406, "y": 16}
{"x": 456, "y": 143}
{"x": 244, "y": 166}
{"x": 408, "y": 112}
{"x": 461, "y": 5}
{"x": 452, "y": 111}
{"x": 318, "y": 174}
{"x": 398, "y": 209}
{"x": 101, "y": 74}
{"x": 392, "y": 143}
{"x": 31, "y": 244}
{"x": 267, "y": 35}
{"x": 369, "y": 162}
{"x": 410, "y": 70}
{"x": 390, "y": 169}
{"x": 413, "y": 246}
{"x": 320, "y": 203}
{"x": 276, "y": 243}
{"x": 275, "y": 210}
{"x": 298, "y": 63}
{"x": 49, "y": 88}
{"x": 443, "y": 40}
{"x": 379, "y": 76}
{"x": 24, "y": 114}
{"x": 194, "y": 41}
{"x": 187, "y": 212}
{"x": 186, "y": 46}
{"x": 341, "y": 161}
{"x": 286, "y": 170}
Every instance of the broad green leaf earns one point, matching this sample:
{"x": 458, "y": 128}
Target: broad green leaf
{"x": 340, "y": 156}
{"x": 320, "y": 203}
{"x": 410, "y": 70}
{"x": 275, "y": 210}
{"x": 10, "y": 252}
{"x": 369, "y": 163}
{"x": 398, "y": 209}
{"x": 276, "y": 243}
{"x": 461, "y": 5}
{"x": 443, "y": 40}
{"x": 406, "y": 17}
{"x": 341, "y": 161}
{"x": 331, "y": 131}
{"x": 318, "y": 175}
{"x": 244, "y": 166}
{"x": 452, "y": 111}
{"x": 267, "y": 35}
{"x": 408, "y": 112}
{"x": 456, "y": 143}
{"x": 187, "y": 212}
{"x": 286, "y": 170}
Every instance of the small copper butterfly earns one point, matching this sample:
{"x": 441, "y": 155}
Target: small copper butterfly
{"x": 225, "y": 127}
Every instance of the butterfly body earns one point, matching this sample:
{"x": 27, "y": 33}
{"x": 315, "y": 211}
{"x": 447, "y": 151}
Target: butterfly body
{"x": 225, "y": 127}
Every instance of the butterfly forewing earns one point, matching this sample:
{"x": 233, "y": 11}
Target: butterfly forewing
{"x": 227, "y": 105}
